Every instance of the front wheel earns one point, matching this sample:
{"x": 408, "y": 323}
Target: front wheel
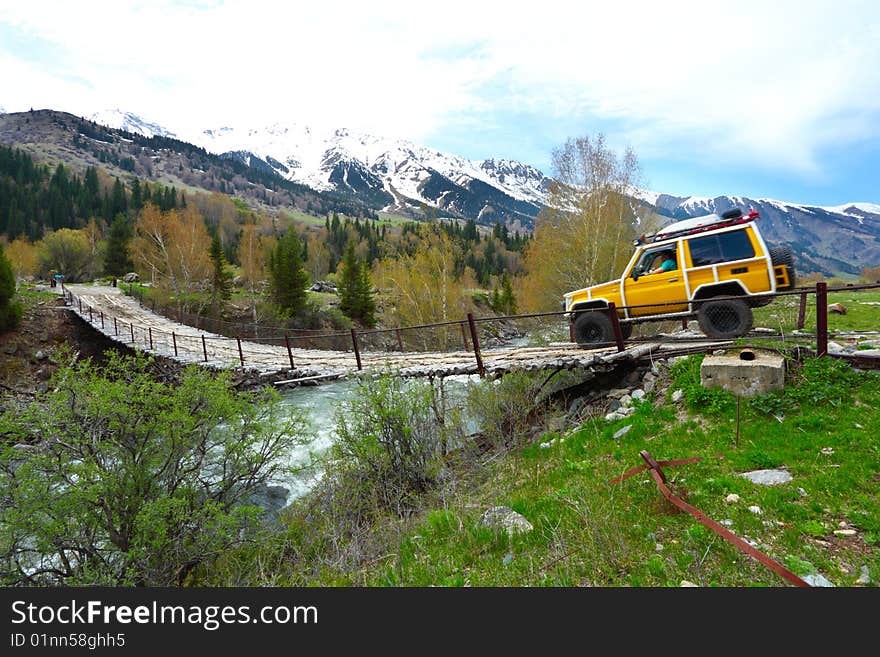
{"x": 725, "y": 318}
{"x": 593, "y": 328}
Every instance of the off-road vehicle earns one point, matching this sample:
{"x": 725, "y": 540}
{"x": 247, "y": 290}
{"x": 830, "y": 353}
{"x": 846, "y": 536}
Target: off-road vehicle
{"x": 703, "y": 258}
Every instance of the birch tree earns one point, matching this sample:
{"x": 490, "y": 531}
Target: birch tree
{"x": 584, "y": 236}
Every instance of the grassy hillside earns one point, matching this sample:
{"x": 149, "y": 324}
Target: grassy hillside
{"x": 823, "y": 428}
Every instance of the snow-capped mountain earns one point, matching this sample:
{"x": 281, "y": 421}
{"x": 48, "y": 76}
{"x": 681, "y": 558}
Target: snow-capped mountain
{"x": 396, "y": 173}
{"x": 116, "y": 118}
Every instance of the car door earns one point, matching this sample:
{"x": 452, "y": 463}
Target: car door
{"x": 655, "y": 294}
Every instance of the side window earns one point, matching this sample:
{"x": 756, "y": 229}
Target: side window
{"x": 652, "y": 259}
{"x": 725, "y": 247}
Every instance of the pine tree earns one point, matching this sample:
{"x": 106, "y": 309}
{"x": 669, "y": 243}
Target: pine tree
{"x": 117, "y": 261}
{"x": 355, "y": 289}
{"x": 289, "y": 279}
{"x": 221, "y": 277}
{"x": 366, "y": 299}
{"x": 508, "y": 300}
{"x": 349, "y": 283}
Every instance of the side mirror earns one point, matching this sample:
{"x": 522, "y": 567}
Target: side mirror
{"x": 635, "y": 275}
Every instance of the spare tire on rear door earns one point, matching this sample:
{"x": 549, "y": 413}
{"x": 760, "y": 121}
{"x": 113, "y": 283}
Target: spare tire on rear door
{"x": 782, "y": 255}
{"x": 593, "y": 328}
{"x": 725, "y": 318}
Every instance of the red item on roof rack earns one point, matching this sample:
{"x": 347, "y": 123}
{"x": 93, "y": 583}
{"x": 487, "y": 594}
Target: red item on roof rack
{"x": 698, "y": 225}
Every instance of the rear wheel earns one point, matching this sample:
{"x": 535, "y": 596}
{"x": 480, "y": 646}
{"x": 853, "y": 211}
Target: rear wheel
{"x": 725, "y": 318}
{"x": 591, "y": 328}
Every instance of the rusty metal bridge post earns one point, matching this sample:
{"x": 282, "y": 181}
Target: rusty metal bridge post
{"x": 204, "y": 348}
{"x": 821, "y": 319}
{"x": 615, "y": 324}
{"x": 476, "y": 342}
{"x": 802, "y": 311}
{"x": 357, "y": 349}
{"x": 289, "y": 351}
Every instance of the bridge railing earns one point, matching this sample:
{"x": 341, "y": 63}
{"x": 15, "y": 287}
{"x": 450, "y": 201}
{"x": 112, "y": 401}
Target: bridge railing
{"x": 810, "y": 317}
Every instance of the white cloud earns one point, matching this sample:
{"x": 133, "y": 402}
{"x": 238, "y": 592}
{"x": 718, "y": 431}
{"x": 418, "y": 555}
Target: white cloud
{"x": 739, "y": 79}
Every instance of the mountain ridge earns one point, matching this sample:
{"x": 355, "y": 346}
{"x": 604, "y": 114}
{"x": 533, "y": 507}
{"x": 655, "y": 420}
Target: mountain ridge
{"x": 292, "y": 165}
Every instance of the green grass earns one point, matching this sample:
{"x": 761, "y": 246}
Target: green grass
{"x": 824, "y": 428}
{"x": 862, "y": 312}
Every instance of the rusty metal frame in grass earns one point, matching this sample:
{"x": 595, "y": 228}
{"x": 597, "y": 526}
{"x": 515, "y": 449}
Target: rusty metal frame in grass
{"x": 660, "y": 478}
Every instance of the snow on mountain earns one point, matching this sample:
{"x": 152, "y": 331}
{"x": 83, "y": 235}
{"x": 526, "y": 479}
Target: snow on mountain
{"x": 116, "y": 118}
{"x": 348, "y": 161}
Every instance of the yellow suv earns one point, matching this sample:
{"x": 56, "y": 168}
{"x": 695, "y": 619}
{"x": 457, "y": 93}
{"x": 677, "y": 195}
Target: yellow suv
{"x": 678, "y": 272}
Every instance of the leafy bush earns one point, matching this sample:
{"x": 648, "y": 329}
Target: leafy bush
{"x": 503, "y": 408}
{"x": 124, "y": 480}
{"x": 391, "y": 439}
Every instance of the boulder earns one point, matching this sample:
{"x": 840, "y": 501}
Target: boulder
{"x": 767, "y": 477}
{"x": 503, "y": 517}
{"x": 41, "y": 355}
{"x": 323, "y": 286}
{"x": 815, "y": 579}
{"x": 837, "y": 309}
{"x": 131, "y": 277}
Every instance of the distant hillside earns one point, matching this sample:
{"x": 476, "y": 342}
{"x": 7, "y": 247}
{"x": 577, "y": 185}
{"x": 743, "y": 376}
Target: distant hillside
{"x": 839, "y": 240}
{"x": 294, "y": 167}
{"x": 58, "y": 137}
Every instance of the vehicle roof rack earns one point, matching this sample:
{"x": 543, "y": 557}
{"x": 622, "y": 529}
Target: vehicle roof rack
{"x": 698, "y": 225}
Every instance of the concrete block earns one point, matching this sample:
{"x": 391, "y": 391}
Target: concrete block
{"x": 744, "y": 378}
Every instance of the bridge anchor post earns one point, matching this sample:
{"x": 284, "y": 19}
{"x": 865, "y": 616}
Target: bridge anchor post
{"x": 357, "y": 350}
{"x": 476, "y": 342}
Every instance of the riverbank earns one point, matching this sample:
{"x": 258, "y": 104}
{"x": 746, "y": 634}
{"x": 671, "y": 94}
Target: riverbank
{"x": 574, "y": 528}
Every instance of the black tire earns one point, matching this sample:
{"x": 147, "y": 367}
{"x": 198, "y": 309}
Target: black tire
{"x": 591, "y": 328}
{"x": 626, "y": 330}
{"x": 725, "y": 318}
{"x": 782, "y": 255}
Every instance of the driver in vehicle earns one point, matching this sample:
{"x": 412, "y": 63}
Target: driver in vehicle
{"x": 665, "y": 262}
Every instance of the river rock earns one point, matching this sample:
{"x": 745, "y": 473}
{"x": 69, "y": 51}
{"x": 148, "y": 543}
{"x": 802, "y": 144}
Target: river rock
{"x": 617, "y": 393}
{"x": 625, "y": 401}
{"x": 767, "y": 477}
{"x": 620, "y": 433}
{"x": 677, "y": 396}
{"x": 503, "y": 517}
{"x": 638, "y": 395}
{"x": 131, "y": 277}
{"x": 837, "y": 308}
{"x": 815, "y": 579}
{"x": 41, "y": 355}
{"x": 43, "y": 374}
{"x": 269, "y": 498}
{"x": 864, "y": 577}
{"x": 611, "y": 417}
{"x": 10, "y": 349}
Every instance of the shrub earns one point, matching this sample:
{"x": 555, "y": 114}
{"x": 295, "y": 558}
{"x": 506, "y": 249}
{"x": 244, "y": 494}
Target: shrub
{"x": 130, "y": 481}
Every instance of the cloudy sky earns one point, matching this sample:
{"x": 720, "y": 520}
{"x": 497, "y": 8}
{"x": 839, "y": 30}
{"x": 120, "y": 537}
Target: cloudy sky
{"x": 765, "y": 99}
